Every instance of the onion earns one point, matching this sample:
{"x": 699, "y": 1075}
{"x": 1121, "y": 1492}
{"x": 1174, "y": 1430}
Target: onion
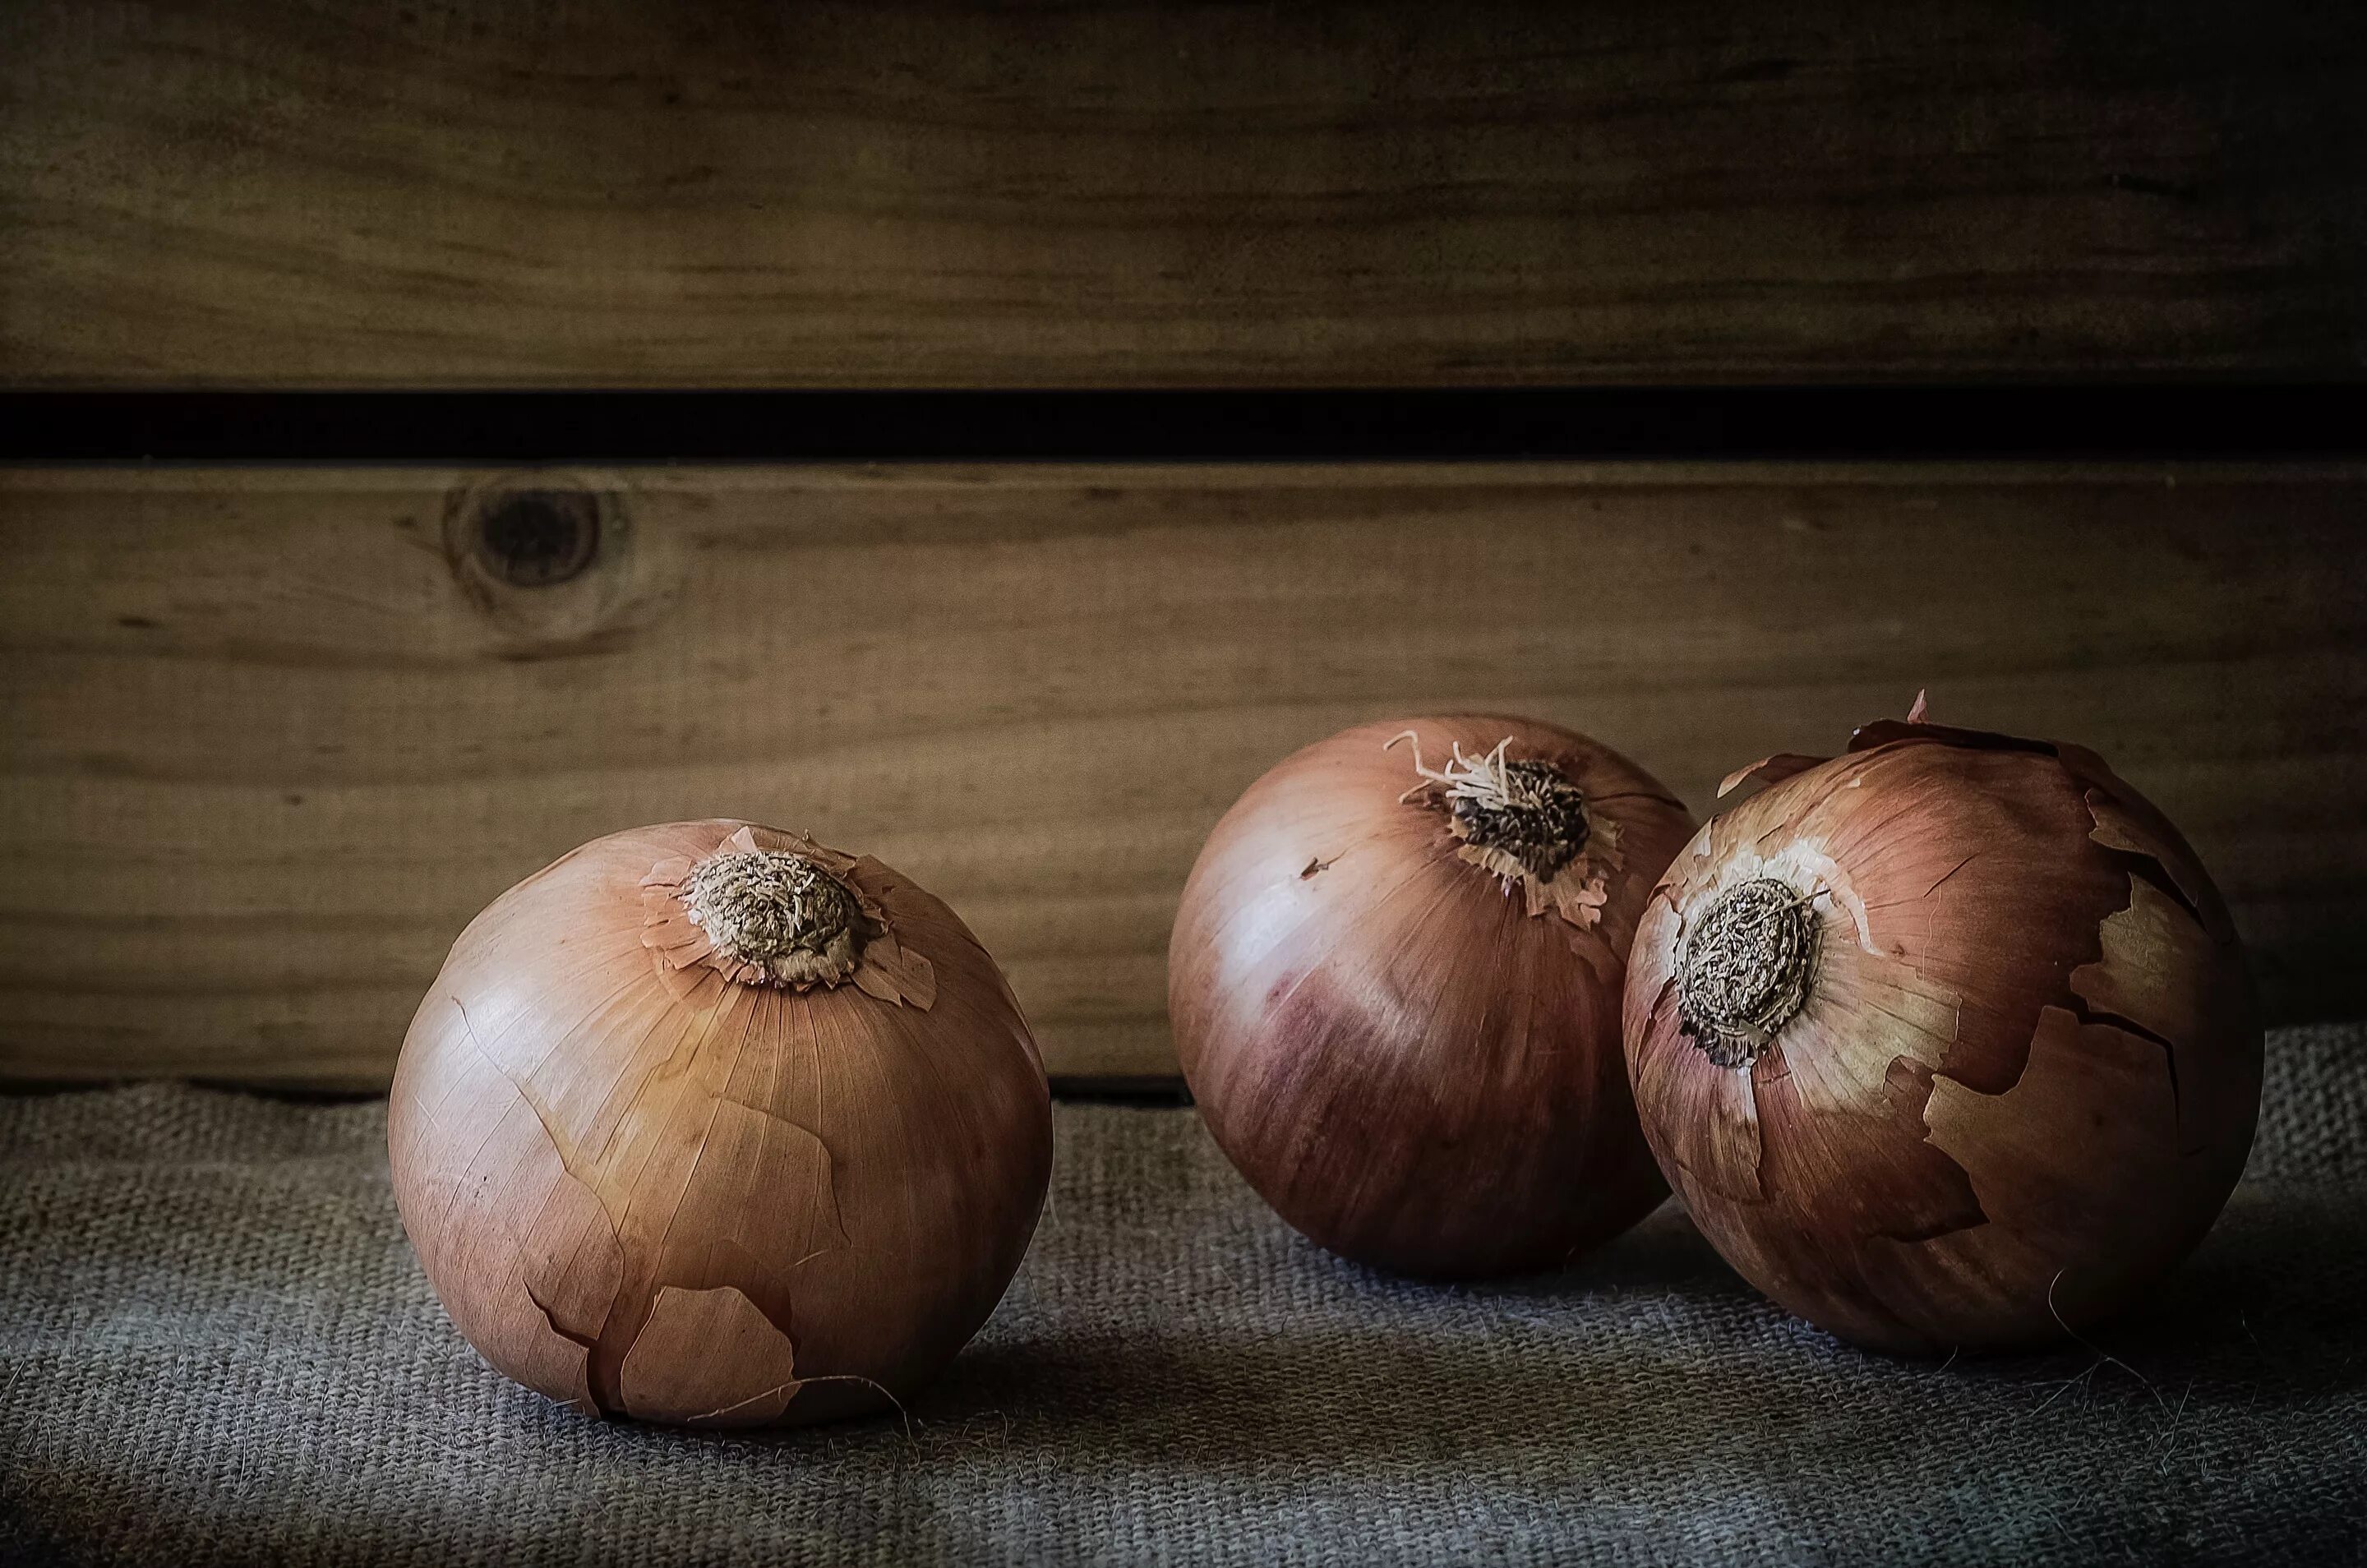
{"x": 706, "y": 1123}
{"x": 1395, "y": 985}
{"x": 1947, "y": 1043}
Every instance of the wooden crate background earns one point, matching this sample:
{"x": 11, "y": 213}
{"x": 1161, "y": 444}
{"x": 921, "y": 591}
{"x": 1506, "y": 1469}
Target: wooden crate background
{"x": 272, "y": 736}
{"x": 608, "y": 192}
{"x": 269, "y": 734}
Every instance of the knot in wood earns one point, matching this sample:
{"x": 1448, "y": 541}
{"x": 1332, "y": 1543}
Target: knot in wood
{"x": 539, "y": 538}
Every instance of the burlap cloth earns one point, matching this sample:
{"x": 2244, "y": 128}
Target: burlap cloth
{"x": 215, "y": 1345}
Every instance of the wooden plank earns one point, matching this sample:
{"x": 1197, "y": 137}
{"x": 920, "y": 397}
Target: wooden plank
{"x": 272, "y": 736}
{"x": 597, "y": 192}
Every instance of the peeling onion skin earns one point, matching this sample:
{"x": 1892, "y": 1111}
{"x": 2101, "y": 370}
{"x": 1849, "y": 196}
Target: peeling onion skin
{"x": 2026, "y": 1073}
{"x": 1415, "y": 1070}
{"x": 690, "y": 1200}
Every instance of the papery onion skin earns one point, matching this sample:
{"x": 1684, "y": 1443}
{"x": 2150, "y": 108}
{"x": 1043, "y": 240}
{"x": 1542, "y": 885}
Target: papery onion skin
{"x": 2027, "y": 1067}
{"x": 648, "y": 1190}
{"x": 1412, "y": 1068}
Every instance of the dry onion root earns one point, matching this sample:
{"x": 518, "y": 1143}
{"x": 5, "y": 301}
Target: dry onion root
{"x": 1946, "y": 1043}
{"x": 1395, "y": 985}
{"x": 706, "y": 1123}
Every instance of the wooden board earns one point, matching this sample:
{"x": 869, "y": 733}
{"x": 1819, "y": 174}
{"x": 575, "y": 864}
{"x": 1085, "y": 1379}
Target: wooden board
{"x": 270, "y": 736}
{"x": 598, "y": 192}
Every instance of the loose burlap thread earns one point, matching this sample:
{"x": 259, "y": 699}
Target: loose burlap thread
{"x": 216, "y": 1347}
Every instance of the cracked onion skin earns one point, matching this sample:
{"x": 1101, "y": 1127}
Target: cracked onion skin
{"x": 1414, "y": 1058}
{"x": 2023, "y": 1067}
{"x": 649, "y": 1181}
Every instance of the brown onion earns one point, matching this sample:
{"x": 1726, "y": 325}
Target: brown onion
{"x": 1395, "y": 985}
{"x": 1947, "y": 1043}
{"x": 706, "y": 1123}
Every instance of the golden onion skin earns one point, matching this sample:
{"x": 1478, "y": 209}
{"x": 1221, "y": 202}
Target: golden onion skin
{"x": 654, "y": 1190}
{"x": 1412, "y": 1062}
{"x": 2024, "y": 1068}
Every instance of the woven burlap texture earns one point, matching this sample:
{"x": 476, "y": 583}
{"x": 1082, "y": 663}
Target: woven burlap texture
{"x": 216, "y": 1347}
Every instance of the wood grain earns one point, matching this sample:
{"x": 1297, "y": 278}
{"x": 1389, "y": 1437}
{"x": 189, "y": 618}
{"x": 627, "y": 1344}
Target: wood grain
{"x": 270, "y": 736}
{"x": 597, "y": 192}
